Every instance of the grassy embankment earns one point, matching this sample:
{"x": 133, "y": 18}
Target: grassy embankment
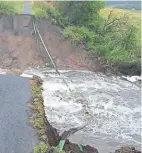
{"x": 11, "y": 7}
{"x": 39, "y": 9}
{"x": 39, "y": 120}
{"x": 134, "y": 17}
{"x": 122, "y": 46}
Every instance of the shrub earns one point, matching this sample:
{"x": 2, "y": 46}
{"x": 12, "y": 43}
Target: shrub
{"x": 7, "y": 8}
{"x": 113, "y": 36}
{"x": 39, "y": 9}
{"x": 11, "y": 7}
{"x": 79, "y": 35}
{"x": 41, "y": 148}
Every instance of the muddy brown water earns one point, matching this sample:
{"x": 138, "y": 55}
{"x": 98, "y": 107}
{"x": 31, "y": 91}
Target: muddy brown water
{"x": 109, "y": 105}
{"x": 18, "y": 51}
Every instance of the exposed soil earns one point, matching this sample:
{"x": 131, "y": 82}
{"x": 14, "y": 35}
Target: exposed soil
{"x": 19, "y": 50}
{"x": 17, "y": 46}
{"x": 53, "y": 137}
{"x": 65, "y": 54}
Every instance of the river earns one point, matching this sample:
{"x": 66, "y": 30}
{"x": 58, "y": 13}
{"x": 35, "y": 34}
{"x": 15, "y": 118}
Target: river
{"x": 110, "y": 106}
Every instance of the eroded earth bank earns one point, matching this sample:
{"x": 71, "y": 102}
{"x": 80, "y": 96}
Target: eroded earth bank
{"x": 108, "y": 99}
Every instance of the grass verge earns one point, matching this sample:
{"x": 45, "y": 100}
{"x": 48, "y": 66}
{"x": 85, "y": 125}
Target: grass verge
{"x": 11, "y": 7}
{"x": 39, "y": 9}
{"x": 134, "y": 16}
{"x": 45, "y": 132}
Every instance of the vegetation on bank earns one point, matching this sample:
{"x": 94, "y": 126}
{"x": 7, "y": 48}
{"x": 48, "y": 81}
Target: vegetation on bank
{"x": 11, "y": 7}
{"x": 38, "y": 120}
{"x": 39, "y": 9}
{"x": 113, "y": 34}
{"x": 45, "y": 148}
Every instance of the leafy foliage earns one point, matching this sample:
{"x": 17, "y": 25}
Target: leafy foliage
{"x": 44, "y": 148}
{"x": 11, "y": 7}
{"x": 6, "y": 8}
{"x": 109, "y": 33}
{"x": 81, "y": 13}
{"x": 113, "y": 37}
{"x": 39, "y": 9}
{"x": 79, "y": 34}
{"x": 41, "y": 148}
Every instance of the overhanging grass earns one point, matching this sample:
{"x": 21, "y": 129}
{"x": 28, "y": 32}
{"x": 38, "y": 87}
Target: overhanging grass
{"x": 115, "y": 43}
{"x": 38, "y": 120}
{"x": 39, "y": 9}
{"x": 11, "y": 7}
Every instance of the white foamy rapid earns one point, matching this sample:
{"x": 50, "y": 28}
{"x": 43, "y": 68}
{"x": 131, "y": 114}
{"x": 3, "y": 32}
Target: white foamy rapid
{"x": 109, "y": 105}
{"x": 3, "y": 71}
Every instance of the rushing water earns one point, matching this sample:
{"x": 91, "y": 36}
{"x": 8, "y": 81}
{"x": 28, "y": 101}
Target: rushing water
{"x": 110, "y": 107}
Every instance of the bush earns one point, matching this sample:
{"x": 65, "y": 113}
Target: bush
{"x": 80, "y": 13}
{"x": 112, "y": 36}
{"x": 44, "y": 148}
{"x": 41, "y": 148}
{"x": 52, "y": 12}
{"x": 11, "y": 7}
{"x": 79, "y": 34}
{"x": 39, "y": 9}
{"x": 117, "y": 54}
{"x": 7, "y": 8}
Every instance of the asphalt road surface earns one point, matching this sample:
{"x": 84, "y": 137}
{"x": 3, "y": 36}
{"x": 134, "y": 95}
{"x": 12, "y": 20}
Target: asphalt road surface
{"x": 16, "y": 136}
{"x": 27, "y": 9}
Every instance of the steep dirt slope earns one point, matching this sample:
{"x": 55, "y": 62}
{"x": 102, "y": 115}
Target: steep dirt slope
{"x": 18, "y": 48}
{"x": 17, "y": 45}
{"x": 65, "y": 54}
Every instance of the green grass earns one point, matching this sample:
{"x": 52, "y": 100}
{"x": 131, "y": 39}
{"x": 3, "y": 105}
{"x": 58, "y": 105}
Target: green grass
{"x": 19, "y": 5}
{"x": 134, "y": 16}
{"x": 115, "y": 43}
{"x": 11, "y": 7}
{"x": 44, "y": 148}
{"x": 39, "y": 9}
{"x": 38, "y": 121}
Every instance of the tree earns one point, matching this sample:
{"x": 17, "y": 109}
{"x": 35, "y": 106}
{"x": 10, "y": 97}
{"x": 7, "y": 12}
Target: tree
{"x": 81, "y": 13}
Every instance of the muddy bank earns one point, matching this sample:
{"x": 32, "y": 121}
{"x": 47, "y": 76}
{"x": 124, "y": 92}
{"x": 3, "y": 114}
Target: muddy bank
{"x": 68, "y": 56}
{"x": 20, "y": 48}
{"x": 52, "y": 136}
{"x": 49, "y": 134}
{"x": 64, "y": 53}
